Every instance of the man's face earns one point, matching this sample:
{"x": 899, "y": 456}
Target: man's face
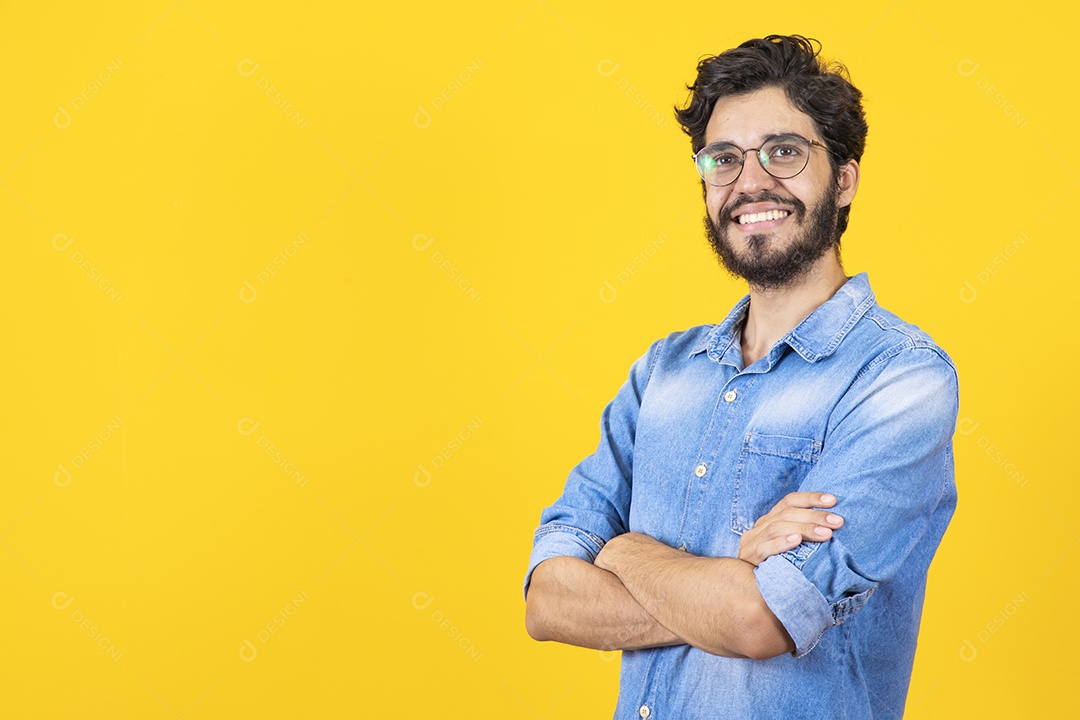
{"x": 802, "y": 227}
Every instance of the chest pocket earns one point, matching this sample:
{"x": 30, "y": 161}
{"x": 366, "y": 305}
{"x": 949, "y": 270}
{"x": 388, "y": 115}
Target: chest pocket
{"x": 770, "y": 467}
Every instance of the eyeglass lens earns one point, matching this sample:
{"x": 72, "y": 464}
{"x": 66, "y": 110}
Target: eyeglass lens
{"x": 783, "y": 158}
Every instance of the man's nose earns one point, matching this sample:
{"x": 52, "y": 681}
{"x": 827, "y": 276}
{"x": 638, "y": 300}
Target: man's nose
{"x": 753, "y": 177}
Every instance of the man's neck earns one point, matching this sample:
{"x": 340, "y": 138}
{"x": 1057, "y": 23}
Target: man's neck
{"x": 774, "y": 312}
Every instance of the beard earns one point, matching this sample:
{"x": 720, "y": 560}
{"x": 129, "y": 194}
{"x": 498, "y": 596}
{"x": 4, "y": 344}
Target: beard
{"x": 766, "y": 267}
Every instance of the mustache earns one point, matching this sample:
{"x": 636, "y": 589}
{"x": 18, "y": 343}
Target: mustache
{"x": 797, "y": 206}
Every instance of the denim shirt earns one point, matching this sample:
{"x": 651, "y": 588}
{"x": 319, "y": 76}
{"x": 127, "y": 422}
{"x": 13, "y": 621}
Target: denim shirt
{"x": 695, "y": 448}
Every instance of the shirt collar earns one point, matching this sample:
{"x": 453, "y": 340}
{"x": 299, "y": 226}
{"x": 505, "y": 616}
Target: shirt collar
{"x": 814, "y": 338}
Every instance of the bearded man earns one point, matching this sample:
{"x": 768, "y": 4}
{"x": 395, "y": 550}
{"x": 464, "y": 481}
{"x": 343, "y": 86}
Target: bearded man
{"x": 755, "y": 528}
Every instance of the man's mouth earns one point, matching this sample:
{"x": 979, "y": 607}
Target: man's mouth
{"x": 748, "y": 218}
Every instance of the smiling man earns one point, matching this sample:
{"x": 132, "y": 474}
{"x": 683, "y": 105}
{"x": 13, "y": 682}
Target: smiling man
{"x": 755, "y": 528}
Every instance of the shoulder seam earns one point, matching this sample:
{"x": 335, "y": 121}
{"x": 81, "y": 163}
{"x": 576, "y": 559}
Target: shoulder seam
{"x": 909, "y": 343}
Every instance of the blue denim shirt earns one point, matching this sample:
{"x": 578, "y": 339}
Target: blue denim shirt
{"x": 694, "y": 448}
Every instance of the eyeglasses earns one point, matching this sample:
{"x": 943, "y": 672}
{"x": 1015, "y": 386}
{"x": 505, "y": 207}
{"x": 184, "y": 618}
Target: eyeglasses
{"x": 782, "y": 156}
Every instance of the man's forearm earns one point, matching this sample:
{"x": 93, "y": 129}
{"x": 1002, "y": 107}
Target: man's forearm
{"x": 575, "y": 602}
{"x": 713, "y": 603}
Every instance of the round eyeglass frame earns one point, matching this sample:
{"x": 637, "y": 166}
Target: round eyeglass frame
{"x": 757, "y": 152}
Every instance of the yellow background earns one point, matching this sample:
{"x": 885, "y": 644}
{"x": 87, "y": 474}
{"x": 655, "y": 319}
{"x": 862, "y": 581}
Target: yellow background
{"x": 456, "y": 193}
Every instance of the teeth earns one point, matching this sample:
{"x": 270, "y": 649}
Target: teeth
{"x": 763, "y": 216}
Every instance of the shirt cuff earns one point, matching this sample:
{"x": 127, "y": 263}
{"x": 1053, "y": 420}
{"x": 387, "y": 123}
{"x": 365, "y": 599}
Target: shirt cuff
{"x": 795, "y": 601}
{"x": 559, "y": 541}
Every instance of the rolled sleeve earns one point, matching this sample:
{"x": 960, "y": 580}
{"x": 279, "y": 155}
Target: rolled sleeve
{"x": 557, "y": 540}
{"x": 795, "y": 601}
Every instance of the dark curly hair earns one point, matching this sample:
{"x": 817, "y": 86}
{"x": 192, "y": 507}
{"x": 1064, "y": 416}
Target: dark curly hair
{"x": 820, "y": 89}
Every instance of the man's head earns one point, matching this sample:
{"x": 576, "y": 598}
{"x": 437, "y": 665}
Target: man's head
{"x": 774, "y": 95}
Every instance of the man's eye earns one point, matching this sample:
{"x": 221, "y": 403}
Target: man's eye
{"x": 783, "y": 152}
{"x": 725, "y": 159}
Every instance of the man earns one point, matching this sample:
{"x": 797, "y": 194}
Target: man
{"x": 755, "y": 528}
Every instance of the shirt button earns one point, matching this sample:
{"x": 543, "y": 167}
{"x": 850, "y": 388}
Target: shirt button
{"x": 730, "y": 396}
{"x": 700, "y": 471}
{"x": 644, "y": 712}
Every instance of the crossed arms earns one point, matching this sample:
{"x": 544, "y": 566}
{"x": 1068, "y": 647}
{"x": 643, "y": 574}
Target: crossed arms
{"x": 889, "y": 460}
{"x": 642, "y": 593}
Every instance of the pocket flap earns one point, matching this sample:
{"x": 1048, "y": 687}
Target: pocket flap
{"x": 797, "y": 448}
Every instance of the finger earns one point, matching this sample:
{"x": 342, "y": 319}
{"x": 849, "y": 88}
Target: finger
{"x": 774, "y": 546}
{"x": 803, "y": 499}
{"x": 802, "y": 515}
{"x": 823, "y": 518}
{"x": 810, "y": 532}
{"x": 777, "y": 538}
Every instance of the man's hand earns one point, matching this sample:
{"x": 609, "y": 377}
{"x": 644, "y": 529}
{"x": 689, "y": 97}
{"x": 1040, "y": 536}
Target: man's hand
{"x": 790, "y": 522}
{"x": 620, "y": 544}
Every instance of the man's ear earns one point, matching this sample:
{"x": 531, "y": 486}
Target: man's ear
{"x": 848, "y": 180}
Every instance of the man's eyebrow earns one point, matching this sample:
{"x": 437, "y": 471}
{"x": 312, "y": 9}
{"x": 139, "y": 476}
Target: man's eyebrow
{"x": 782, "y": 136}
{"x": 764, "y": 138}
